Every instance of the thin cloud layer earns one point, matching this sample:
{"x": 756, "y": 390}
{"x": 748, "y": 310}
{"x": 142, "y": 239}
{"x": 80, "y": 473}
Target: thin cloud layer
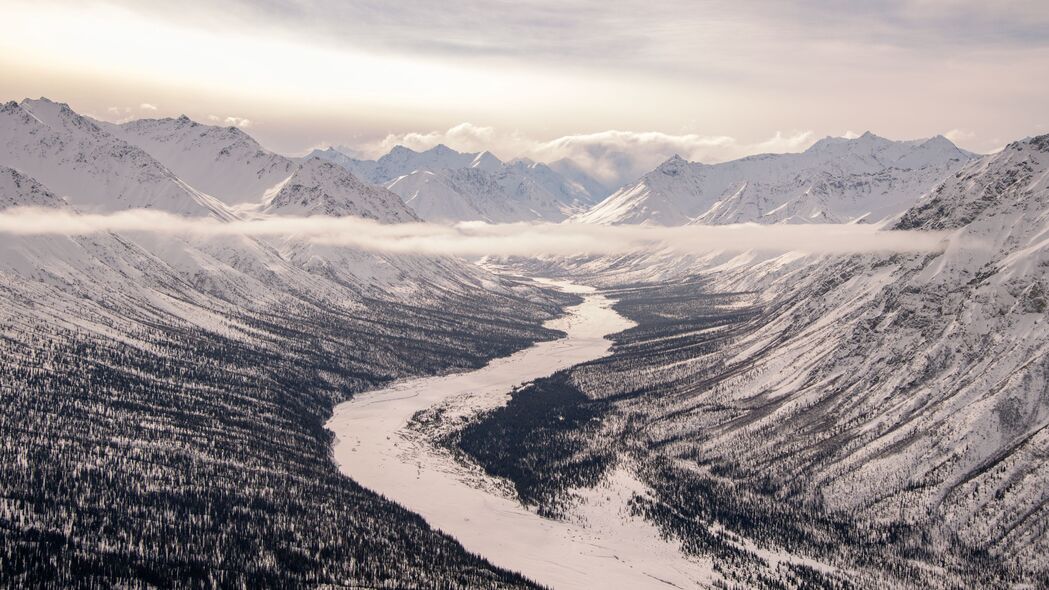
{"x": 481, "y": 239}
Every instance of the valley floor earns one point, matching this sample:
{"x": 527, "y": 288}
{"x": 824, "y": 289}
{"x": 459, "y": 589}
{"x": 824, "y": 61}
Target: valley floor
{"x": 384, "y": 442}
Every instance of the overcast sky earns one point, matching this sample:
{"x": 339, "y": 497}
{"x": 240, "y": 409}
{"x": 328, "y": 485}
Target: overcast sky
{"x": 710, "y": 79}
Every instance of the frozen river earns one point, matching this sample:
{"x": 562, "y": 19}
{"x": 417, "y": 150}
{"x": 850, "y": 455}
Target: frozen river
{"x": 599, "y": 546}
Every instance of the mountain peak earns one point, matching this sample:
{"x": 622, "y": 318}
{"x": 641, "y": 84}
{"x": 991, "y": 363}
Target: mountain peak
{"x": 401, "y": 150}
{"x": 441, "y": 150}
{"x": 867, "y": 141}
{"x": 43, "y": 100}
{"x": 487, "y": 161}
{"x": 1038, "y": 143}
{"x": 673, "y": 165}
{"x": 46, "y": 105}
{"x": 321, "y": 187}
{"x": 939, "y": 142}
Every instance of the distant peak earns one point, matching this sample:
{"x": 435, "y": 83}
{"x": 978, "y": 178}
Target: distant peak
{"x": 673, "y": 165}
{"x": 400, "y": 149}
{"x": 868, "y": 138}
{"x": 441, "y": 149}
{"x": 486, "y": 159}
{"x": 1040, "y": 143}
{"x": 938, "y": 140}
{"x": 43, "y": 101}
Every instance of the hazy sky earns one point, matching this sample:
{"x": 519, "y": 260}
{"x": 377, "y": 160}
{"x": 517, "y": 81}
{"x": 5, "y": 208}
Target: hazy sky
{"x": 711, "y": 79}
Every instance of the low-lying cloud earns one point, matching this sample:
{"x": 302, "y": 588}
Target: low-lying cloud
{"x": 482, "y": 239}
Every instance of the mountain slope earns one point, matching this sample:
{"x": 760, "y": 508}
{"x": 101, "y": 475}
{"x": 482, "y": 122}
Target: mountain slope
{"x": 883, "y": 419}
{"x": 163, "y": 396}
{"x": 319, "y": 187}
{"x": 464, "y": 194}
{"x": 223, "y": 162}
{"x": 19, "y": 190}
{"x": 94, "y": 170}
{"x": 869, "y": 179}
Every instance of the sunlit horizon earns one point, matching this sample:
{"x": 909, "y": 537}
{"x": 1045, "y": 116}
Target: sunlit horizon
{"x": 714, "y": 81}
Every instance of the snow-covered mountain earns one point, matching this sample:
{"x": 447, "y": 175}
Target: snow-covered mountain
{"x": 927, "y": 371}
{"x": 319, "y": 187}
{"x": 93, "y": 169}
{"x": 867, "y": 179}
{"x": 51, "y": 155}
{"x": 159, "y": 390}
{"x": 224, "y": 162}
{"x": 444, "y": 185}
{"x": 902, "y": 393}
{"x": 466, "y": 194}
{"x": 402, "y": 160}
{"x": 19, "y": 190}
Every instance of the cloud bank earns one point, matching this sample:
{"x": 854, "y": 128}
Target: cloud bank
{"x": 482, "y": 239}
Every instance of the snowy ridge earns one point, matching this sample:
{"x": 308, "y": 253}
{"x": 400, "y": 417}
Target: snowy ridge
{"x": 19, "y": 190}
{"x": 97, "y": 172}
{"x": 444, "y": 185}
{"x": 837, "y": 180}
{"x": 170, "y": 388}
{"x": 464, "y": 194}
{"x": 51, "y": 156}
{"x": 319, "y": 187}
{"x": 910, "y": 389}
{"x": 224, "y": 162}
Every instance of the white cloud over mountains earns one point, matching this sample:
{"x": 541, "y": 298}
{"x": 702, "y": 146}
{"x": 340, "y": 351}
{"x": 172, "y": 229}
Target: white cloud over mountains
{"x": 614, "y": 157}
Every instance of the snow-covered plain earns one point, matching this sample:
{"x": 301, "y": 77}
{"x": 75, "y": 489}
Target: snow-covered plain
{"x": 599, "y": 546}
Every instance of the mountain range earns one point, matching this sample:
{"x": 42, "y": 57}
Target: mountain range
{"x": 886, "y": 416}
{"x": 443, "y": 185}
{"x": 867, "y": 179}
{"x": 882, "y": 418}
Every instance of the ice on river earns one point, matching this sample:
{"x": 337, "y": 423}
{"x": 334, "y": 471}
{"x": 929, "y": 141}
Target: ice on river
{"x": 600, "y": 546}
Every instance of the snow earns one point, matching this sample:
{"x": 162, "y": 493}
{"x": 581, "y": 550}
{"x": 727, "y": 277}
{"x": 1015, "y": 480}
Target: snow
{"x": 224, "y": 162}
{"x": 95, "y": 171}
{"x": 837, "y": 180}
{"x": 446, "y": 186}
{"x": 600, "y": 546}
{"x": 320, "y": 187}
